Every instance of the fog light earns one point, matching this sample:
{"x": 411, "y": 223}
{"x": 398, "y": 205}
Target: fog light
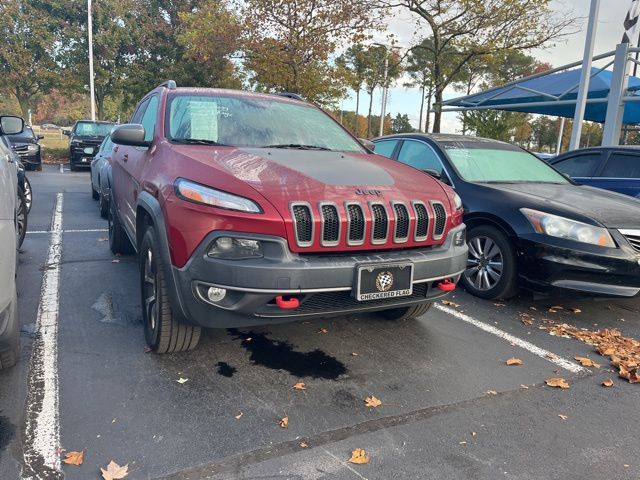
{"x": 224, "y": 243}
{"x": 215, "y": 294}
{"x": 458, "y": 238}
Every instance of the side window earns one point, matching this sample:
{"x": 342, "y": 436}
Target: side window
{"x": 420, "y": 156}
{"x": 149, "y": 118}
{"x": 385, "y": 147}
{"x": 622, "y": 165}
{"x": 137, "y": 115}
{"x": 107, "y": 146}
{"x": 580, "y": 165}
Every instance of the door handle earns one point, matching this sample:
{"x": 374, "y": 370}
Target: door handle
{"x": 125, "y": 157}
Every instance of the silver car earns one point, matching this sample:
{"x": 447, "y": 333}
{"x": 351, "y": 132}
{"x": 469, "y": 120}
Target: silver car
{"x": 99, "y": 181}
{"x": 9, "y": 322}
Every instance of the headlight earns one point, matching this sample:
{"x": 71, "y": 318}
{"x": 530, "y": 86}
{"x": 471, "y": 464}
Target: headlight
{"x": 194, "y": 192}
{"x": 32, "y": 148}
{"x": 235, "y": 248}
{"x": 561, "y": 227}
{"x": 457, "y": 201}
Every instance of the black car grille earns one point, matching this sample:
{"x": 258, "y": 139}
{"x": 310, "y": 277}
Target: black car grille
{"x": 402, "y": 222}
{"x": 330, "y": 225}
{"x": 633, "y": 238}
{"x": 303, "y": 224}
{"x": 422, "y": 221}
{"x": 356, "y": 223}
{"x": 380, "y": 223}
{"x": 440, "y": 220}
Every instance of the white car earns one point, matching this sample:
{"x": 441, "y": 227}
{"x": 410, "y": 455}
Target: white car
{"x": 9, "y": 321}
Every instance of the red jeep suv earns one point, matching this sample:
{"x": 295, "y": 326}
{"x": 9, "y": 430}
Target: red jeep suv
{"x": 249, "y": 209}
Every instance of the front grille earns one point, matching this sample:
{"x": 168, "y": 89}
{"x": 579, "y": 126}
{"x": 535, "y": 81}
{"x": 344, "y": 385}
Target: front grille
{"x": 422, "y": 221}
{"x": 20, "y": 148}
{"x": 402, "y": 222}
{"x": 356, "y": 224}
{"x": 330, "y": 225}
{"x": 633, "y": 237}
{"x": 440, "y": 220}
{"x": 303, "y": 223}
{"x": 380, "y": 223}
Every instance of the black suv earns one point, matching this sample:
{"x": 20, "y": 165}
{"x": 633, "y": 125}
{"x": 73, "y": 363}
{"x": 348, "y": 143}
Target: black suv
{"x": 26, "y": 145}
{"x": 84, "y": 141}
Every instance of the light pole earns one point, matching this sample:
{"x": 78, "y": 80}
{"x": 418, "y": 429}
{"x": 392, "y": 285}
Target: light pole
{"x": 91, "y": 83}
{"x": 385, "y": 91}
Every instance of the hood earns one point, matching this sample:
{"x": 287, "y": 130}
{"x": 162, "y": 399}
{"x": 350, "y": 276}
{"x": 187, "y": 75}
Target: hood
{"x": 613, "y": 210}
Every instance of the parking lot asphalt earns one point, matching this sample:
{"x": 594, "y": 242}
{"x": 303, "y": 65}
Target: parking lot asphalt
{"x": 451, "y": 407}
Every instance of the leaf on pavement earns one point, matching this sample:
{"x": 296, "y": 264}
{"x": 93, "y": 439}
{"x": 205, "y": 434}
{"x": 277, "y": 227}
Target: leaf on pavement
{"x": 576, "y": 310}
{"x": 239, "y": 416}
{"x": 74, "y": 458}
{"x": 524, "y": 386}
{"x": 372, "y": 402}
{"x": 557, "y": 382}
{"x": 115, "y": 260}
{"x": 304, "y": 445}
{"x": 354, "y": 354}
{"x": 563, "y": 417}
{"x": 182, "y": 380}
{"x": 587, "y": 362}
{"x": 323, "y": 330}
{"x": 359, "y": 457}
{"x": 299, "y": 386}
{"x": 514, "y": 361}
{"x": 115, "y": 471}
{"x": 551, "y": 356}
{"x": 499, "y": 305}
{"x": 449, "y": 303}
{"x": 491, "y": 392}
{"x": 284, "y": 422}
{"x": 607, "y": 383}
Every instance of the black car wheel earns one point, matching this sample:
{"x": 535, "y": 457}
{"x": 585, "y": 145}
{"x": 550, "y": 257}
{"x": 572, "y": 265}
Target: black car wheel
{"x": 491, "y": 268}
{"x": 94, "y": 193}
{"x": 21, "y": 217}
{"x": 162, "y": 332}
{"x": 28, "y": 194}
{"x": 406, "y": 313}
{"x": 104, "y": 205}
{"x": 118, "y": 240}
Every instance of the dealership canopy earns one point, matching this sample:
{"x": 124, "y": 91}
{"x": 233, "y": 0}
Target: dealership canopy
{"x": 552, "y": 94}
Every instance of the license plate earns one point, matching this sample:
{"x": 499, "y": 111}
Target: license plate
{"x": 377, "y": 282}
{"x": 85, "y": 159}
{"x": 88, "y": 150}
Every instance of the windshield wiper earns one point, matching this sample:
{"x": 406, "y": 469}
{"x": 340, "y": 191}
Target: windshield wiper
{"x": 298, "y": 146}
{"x": 197, "y": 141}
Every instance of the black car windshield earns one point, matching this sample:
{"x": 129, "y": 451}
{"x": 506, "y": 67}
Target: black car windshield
{"x": 254, "y": 122}
{"x": 91, "y": 129}
{"x": 26, "y": 136}
{"x": 492, "y": 162}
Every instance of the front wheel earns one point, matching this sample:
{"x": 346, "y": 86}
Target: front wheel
{"x": 162, "y": 332}
{"x": 28, "y": 193}
{"x": 21, "y": 217}
{"x": 491, "y": 268}
{"x": 406, "y": 313}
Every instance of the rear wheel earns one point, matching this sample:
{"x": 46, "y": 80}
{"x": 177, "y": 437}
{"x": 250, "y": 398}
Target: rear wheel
{"x": 118, "y": 240}
{"x": 94, "y": 193}
{"x": 406, "y": 313}
{"x": 104, "y": 205}
{"x": 491, "y": 268}
{"x": 28, "y": 193}
{"x": 162, "y": 332}
{"x": 21, "y": 217}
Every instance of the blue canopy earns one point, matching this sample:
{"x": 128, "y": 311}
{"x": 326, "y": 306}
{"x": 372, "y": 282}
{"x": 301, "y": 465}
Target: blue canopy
{"x": 562, "y": 86}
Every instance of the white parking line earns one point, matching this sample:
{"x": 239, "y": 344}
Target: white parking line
{"x": 530, "y": 347}
{"x": 86, "y": 230}
{"x": 42, "y": 436}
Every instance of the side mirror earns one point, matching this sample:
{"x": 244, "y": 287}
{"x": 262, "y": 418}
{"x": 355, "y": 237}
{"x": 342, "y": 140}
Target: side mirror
{"x": 130, "y": 134}
{"x": 66, "y": 132}
{"x": 11, "y": 125}
{"x": 40, "y": 137}
{"x": 368, "y": 144}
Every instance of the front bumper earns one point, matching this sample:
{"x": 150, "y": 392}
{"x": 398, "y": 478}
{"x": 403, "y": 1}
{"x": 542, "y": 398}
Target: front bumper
{"x": 546, "y": 263}
{"x": 323, "y": 284}
{"x": 31, "y": 158}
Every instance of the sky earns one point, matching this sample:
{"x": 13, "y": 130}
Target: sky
{"x": 608, "y": 34}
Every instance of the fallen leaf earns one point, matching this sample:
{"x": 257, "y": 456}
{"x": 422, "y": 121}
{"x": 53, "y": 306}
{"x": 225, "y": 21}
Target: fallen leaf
{"x": 551, "y": 356}
{"x": 239, "y": 416}
{"x": 182, "y": 380}
{"x": 248, "y": 339}
{"x": 115, "y": 261}
{"x": 607, "y": 383}
{"x": 284, "y": 422}
{"x": 491, "y": 392}
{"x": 473, "y": 434}
{"x": 556, "y": 307}
{"x": 323, "y": 330}
{"x": 557, "y": 382}
{"x": 115, "y": 471}
{"x": 587, "y": 362}
{"x": 372, "y": 402}
{"x": 146, "y": 349}
{"x": 299, "y": 386}
{"x": 499, "y": 305}
{"x": 303, "y": 445}
{"x": 563, "y": 417}
{"x": 354, "y": 354}
{"x": 526, "y": 321}
{"x": 576, "y": 310}
{"x": 74, "y": 458}
{"x": 514, "y": 361}
{"x": 524, "y": 386}
{"x": 462, "y": 443}
{"x": 450, "y": 303}
{"x": 113, "y": 421}
{"x": 359, "y": 457}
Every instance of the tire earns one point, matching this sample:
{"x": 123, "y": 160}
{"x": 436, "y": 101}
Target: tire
{"x": 103, "y": 205}
{"x": 10, "y": 351}
{"x": 163, "y": 334}
{"x": 28, "y": 193}
{"x": 22, "y": 216}
{"x": 406, "y": 313}
{"x": 39, "y": 167}
{"x": 72, "y": 166}
{"x": 118, "y": 240}
{"x": 491, "y": 268}
{"x": 94, "y": 193}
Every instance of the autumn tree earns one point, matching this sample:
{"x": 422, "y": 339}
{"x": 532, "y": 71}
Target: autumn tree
{"x": 354, "y": 64}
{"x": 477, "y": 28}
{"x": 383, "y": 67}
{"x": 401, "y": 124}
{"x": 288, "y": 44}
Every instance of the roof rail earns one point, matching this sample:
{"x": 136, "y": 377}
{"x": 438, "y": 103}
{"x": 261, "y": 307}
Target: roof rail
{"x": 170, "y": 84}
{"x": 294, "y": 96}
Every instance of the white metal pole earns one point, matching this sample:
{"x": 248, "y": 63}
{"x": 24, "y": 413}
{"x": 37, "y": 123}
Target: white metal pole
{"x": 585, "y": 75}
{"x": 617, "y": 90}
{"x": 91, "y": 83}
{"x": 385, "y": 89}
{"x": 560, "y": 135}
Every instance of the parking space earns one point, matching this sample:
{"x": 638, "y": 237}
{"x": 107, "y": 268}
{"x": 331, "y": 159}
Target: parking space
{"x": 451, "y": 407}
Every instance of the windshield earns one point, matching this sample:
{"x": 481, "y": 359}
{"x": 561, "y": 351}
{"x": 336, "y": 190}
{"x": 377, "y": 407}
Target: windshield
{"x": 490, "y": 162}
{"x": 25, "y": 136}
{"x": 91, "y": 129}
{"x": 254, "y": 122}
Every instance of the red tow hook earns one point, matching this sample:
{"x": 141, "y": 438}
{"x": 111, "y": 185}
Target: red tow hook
{"x": 287, "y": 304}
{"x": 447, "y": 285}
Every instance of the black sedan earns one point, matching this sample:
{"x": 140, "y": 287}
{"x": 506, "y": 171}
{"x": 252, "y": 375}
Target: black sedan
{"x": 527, "y": 223}
{"x": 26, "y": 145}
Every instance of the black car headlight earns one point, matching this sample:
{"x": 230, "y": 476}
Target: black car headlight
{"x": 228, "y": 248}
{"x": 561, "y": 227}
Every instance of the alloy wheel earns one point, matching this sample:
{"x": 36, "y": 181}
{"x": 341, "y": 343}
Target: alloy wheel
{"x": 150, "y": 292}
{"x": 21, "y": 216}
{"x": 28, "y": 195}
{"x": 485, "y": 263}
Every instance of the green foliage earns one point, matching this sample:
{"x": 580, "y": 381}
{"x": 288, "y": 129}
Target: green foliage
{"x": 401, "y": 124}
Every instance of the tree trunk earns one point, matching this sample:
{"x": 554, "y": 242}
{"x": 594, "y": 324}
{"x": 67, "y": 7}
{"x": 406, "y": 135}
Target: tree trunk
{"x": 421, "y": 108}
{"x": 24, "y": 102}
{"x": 369, "y": 116}
{"x": 355, "y": 129}
{"x": 437, "y": 107}
{"x": 427, "y": 121}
